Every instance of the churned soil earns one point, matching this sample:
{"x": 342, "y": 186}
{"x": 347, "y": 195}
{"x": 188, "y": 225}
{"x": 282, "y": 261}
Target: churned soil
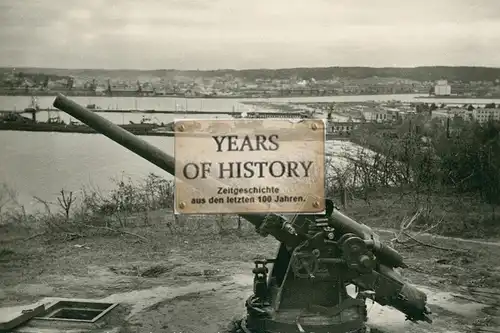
{"x": 194, "y": 275}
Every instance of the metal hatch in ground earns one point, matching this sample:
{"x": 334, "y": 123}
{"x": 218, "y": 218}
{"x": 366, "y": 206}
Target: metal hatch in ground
{"x": 76, "y": 311}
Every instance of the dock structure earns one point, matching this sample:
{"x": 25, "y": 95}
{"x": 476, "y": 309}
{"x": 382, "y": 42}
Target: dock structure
{"x": 129, "y": 111}
{"x": 335, "y": 130}
{"x": 82, "y": 129}
{"x": 256, "y": 114}
{"x": 274, "y": 115}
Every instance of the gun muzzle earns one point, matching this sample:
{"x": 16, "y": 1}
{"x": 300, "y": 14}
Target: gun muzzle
{"x": 413, "y": 303}
{"x": 391, "y": 290}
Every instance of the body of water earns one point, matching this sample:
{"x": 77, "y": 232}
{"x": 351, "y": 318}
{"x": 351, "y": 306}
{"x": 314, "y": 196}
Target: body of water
{"x": 228, "y": 104}
{"x": 41, "y": 164}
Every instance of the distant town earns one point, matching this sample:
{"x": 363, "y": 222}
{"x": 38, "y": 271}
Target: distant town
{"x": 233, "y": 84}
{"x": 390, "y": 114}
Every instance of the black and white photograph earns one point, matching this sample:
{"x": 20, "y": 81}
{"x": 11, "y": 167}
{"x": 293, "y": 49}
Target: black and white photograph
{"x": 250, "y": 166}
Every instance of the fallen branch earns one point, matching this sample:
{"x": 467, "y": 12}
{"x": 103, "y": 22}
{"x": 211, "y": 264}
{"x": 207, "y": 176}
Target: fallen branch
{"x": 474, "y": 300}
{"x": 34, "y": 236}
{"x": 406, "y": 226}
{"x": 119, "y": 231}
{"x": 433, "y": 246}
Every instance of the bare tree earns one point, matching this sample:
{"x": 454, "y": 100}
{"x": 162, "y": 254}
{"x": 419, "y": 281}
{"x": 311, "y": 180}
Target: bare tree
{"x": 65, "y": 201}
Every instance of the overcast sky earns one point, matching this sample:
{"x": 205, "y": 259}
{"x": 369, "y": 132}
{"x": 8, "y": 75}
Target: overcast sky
{"x": 211, "y": 34}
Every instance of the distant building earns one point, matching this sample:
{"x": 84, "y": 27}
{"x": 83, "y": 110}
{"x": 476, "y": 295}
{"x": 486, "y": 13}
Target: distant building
{"x": 460, "y": 89}
{"x": 483, "y": 115}
{"x": 442, "y": 88}
{"x": 378, "y": 116}
{"x": 100, "y": 89}
{"x": 463, "y": 113}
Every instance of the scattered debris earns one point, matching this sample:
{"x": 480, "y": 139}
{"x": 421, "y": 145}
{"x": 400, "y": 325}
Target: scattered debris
{"x": 155, "y": 271}
{"x": 4, "y": 252}
{"x": 82, "y": 246}
{"x": 119, "y": 231}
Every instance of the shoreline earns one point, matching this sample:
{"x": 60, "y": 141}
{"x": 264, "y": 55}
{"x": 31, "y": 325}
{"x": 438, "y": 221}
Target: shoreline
{"x": 456, "y": 97}
{"x": 137, "y": 132}
{"x": 54, "y": 94}
{"x": 291, "y": 99}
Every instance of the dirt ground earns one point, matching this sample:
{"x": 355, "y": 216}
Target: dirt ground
{"x": 196, "y": 279}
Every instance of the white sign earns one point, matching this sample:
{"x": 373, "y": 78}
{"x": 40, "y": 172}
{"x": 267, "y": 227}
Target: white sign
{"x": 249, "y": 166}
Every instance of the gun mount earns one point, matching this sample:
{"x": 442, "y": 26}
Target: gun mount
{"x": 318, "y": 256}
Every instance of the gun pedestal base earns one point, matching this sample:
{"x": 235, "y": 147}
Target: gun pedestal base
{"x": 286, "y": 322}
{"x": 285, "y": 301}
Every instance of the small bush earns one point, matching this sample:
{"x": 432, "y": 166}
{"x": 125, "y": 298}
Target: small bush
{"x": 416, "y": 169}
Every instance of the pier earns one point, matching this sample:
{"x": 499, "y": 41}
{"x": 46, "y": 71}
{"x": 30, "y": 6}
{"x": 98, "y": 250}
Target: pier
{"x": 82, "y": 129}
{"x": 256, "y": 114}
{"x": 129, "y": 111}
{"x": 14, "y": 121}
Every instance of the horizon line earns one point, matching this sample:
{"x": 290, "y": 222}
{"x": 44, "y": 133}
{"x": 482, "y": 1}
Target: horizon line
{"x": 248, "y": 69}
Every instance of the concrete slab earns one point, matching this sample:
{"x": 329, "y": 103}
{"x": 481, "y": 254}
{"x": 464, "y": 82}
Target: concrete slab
{"x": 9, "y": 313}
{"x": 35, "y": 325}
{"x": 14, "y": 316}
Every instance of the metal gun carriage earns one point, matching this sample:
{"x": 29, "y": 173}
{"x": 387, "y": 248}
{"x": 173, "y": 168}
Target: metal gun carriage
{"x": 318, "y": 256}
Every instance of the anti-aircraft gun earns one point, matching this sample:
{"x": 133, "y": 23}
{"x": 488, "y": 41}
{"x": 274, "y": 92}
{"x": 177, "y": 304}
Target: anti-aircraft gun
{"x": 318, "y": 257}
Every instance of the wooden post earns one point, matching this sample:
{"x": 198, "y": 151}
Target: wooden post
{"x": 343, "y": 196}
{"x": 355, "y": 177}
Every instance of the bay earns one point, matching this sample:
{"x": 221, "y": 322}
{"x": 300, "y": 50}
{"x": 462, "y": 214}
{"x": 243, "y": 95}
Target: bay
{"x": 41, "y": 164}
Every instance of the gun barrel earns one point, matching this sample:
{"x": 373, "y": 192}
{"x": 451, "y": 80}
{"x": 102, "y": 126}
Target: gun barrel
{"x": 147, "y": 151}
